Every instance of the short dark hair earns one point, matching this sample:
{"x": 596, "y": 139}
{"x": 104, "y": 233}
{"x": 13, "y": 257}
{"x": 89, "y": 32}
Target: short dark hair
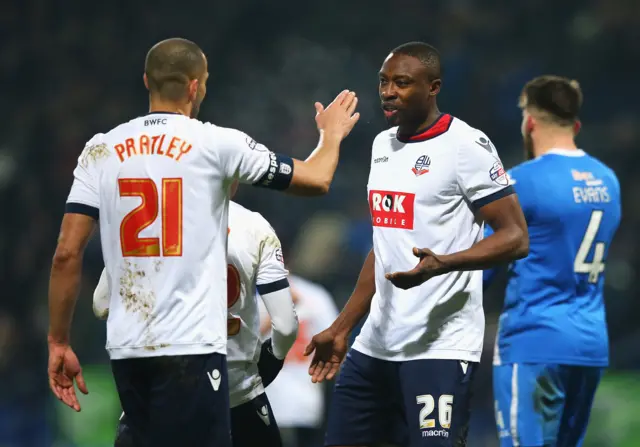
{"x": 560, "y": 98}
{"x": 425, "y": 53}
{"x": 171, "y": 64}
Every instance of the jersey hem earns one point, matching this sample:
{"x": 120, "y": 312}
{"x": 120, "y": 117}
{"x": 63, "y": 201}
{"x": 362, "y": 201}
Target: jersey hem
{"x": 243, "y": 396}
{"x": 163, "y": 350}
{"x": 554, "y": 361}
{"x": 440, "y": 354}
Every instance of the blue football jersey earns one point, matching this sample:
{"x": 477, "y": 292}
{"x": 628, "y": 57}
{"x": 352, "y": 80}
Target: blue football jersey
{"x": 554, "y": 307}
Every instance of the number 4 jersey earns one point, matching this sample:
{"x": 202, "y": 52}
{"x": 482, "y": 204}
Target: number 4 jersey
{"x": 554, "y": 307}
{"x": 159, "y": 185}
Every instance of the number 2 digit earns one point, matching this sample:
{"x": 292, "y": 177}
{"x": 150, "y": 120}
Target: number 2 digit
{"x": 147, "y": 212}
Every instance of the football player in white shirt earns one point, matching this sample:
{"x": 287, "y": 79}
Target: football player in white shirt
{"x": 255, "y": 263}
{"x": 159, "y": 185}
{"x": 434, "y": 180}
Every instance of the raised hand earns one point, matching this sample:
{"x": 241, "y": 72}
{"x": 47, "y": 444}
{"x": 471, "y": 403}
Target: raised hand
{"x": 339, "y": 117}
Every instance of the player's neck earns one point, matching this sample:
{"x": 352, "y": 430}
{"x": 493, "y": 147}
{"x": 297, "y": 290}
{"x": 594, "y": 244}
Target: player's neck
{"x": 410, "y": 129}
{"x": 159, "y": 106}
{"x": 547, "y": 143}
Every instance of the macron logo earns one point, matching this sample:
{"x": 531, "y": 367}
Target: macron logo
{"x": 215, "y": 378}
{"x": 264, "y": 415}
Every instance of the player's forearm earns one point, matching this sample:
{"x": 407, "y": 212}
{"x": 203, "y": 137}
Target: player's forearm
{"x": 64, "y": 285}
{"x": 314, "y": 175}
{"x": 284, "y": 321}
{"x": 505, "y": 245}
{"x": 360, "y": 301}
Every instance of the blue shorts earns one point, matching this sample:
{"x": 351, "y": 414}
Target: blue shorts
{"x": 173, "y": 401}
{"x": 539, "y": 404}
{"x": 410, "y": 403}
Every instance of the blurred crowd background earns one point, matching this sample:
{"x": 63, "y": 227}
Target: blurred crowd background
{"x": 72, "y": 69}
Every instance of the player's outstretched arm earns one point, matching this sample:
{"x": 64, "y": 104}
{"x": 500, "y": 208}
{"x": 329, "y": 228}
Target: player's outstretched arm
{"x": 242, "y": 158}
{"x": 64, "y": 285}
{"x": 330, "y": 345}
{"x": 510, "y": 241}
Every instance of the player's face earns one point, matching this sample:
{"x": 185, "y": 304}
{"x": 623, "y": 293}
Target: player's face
{"x": 405, "y": 90}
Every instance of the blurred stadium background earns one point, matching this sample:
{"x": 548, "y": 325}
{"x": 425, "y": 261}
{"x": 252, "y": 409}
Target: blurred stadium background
{"x": 74, "y": 68}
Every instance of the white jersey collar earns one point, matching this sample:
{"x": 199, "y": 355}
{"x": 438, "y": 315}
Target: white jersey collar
{"x": 566, "y": 152}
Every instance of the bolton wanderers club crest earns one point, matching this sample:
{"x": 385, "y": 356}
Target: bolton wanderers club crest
{"x": 421, "y": 166}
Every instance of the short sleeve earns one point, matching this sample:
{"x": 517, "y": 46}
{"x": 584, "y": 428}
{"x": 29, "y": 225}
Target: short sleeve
{"x": 271, "y": 272}
{"x": 480, "y": 173}
{"x": 250, "y": 162}
{"x": 84, "y": 197}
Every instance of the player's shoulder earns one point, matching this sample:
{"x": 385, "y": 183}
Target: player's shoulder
{"x": 604, "y": 168}
{"x": 524, "y": 169}
{"x": 467, "y": 135}
{"x": 258, "y": 226}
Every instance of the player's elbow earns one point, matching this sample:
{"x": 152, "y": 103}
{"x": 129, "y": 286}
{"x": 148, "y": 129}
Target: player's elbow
{"x": 65, "y": 256}
{"x": 323, "y": 188}
{"x": 311, "y": 187}
{"x": 287, "y": 329}
{"x": 520, "y": 243}
{"x": 309, "y": 179}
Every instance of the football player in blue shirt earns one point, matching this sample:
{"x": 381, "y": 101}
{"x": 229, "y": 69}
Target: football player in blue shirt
{"x": 552, "y": 344}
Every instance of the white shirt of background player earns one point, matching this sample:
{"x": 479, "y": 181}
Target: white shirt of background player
{"x": 254, "y": 262}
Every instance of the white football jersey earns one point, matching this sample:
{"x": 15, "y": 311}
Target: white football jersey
{"x": 255, "y": 263}
{"x": 423, "y": 193}
{"x": 159, "y": 185}
{"x": 296, "y": 401}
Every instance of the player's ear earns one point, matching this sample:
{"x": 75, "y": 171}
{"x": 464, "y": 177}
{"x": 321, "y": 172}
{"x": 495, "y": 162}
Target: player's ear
{"x": 576, "y": 127}
{"x": 146, "y": 80}
{"x": 434, "y": 88}
{"x": 193, "y": 89}
{"x": 530, "y": 124}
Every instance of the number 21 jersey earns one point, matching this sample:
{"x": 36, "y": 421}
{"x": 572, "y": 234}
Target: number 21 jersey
{"x": 159, "y": 186}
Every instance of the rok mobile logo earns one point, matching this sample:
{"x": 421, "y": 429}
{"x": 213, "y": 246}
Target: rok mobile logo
{"x": 391, "y": 209}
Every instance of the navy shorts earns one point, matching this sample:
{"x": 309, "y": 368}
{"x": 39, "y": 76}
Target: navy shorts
{"x": 543, "y": 404}
{"x": 252, "y": 424}
{"x": 174, "y": 401}
{"x": 410, "y": 403}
